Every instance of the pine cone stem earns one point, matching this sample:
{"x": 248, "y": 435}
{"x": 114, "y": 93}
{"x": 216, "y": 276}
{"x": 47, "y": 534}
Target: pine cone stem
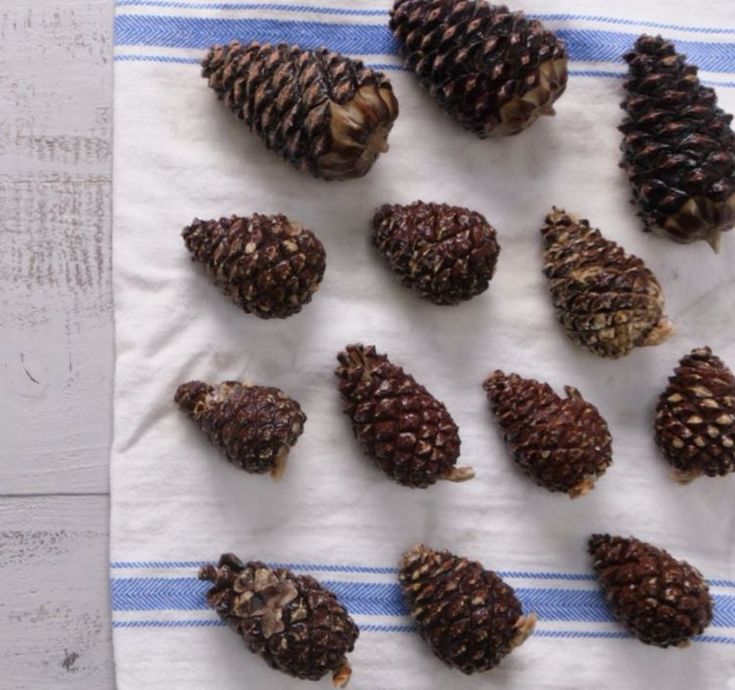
{"x": 460, "y": 474}
{"x": 524, "y": 629}
{"x": 342, "y": 675}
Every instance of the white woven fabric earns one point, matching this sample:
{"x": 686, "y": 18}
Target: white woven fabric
{"x": 175, "y": 502}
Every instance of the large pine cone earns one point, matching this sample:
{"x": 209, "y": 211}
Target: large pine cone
{"x": 468, "y": 615}
{"x": 678, "y": 147}
{"x": 268, "y": 265}
{"x": 409, "y": 434}
{"x": 695, "y": 417}
{"x": 563, "y": 444}
{"x": 253, "y": 426}
{"x": 319, "y": 110}
{"x": 446, "y": 254}
{"x": 662, "y": 601}
{"x": 294, "y": 623}
{"x": 607, "y": 300}
{"x": 494, "y": 71}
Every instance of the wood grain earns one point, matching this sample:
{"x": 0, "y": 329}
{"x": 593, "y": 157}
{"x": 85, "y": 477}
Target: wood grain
{"x": 56, "y": 347}
{"x": 55, "y": 275}
{"x": 53, "y": 604}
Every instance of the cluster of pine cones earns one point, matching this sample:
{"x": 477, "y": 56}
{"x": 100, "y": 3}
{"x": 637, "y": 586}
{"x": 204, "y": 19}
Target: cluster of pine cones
{"x": 495, "y": 72}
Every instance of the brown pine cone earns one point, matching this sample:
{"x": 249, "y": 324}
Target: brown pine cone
{"x": 563, "y": 444}
{"x": 678, "y": 146}
{"x": 321, "y": 111}
{"x": 607, "y": 300}
{"x": 446, "y": 254}
{"x": 493, "y": 70}
{"x": 468, "y": 615}
{"x": 268, "y": 265}
{"x": 695, "y": 417}
{"x": 408, "y": 432}
{"x": 662, "y": 601}
{"x": 253, "y": 426}
{"x": 294, "y": 623}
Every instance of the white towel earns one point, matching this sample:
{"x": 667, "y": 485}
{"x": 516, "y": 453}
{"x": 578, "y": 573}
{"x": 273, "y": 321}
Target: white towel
{"x": 176, "y": 503}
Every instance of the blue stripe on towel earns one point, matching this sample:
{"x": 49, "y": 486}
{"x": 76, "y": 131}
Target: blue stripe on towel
{"x": 381, "y": 599}
{"x": 372, "y": 39}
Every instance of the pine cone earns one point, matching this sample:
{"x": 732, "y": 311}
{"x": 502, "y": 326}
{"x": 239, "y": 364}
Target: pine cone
{"x": 661, "y": 601}
{"x": 446, "y": 254}
{"x": 695, "y": 417}
{"x": 468, "y": 615}
{"x": 253, "y": 426}
{"x": 678, "y": 147}
{"x": 319, "y": 110}
{"x": 295, "y": 624}
{"x": 607, "y": 300}
{"x": 494, "y": 71}
{"x": 398, "y": 423}
{"x": 268, "y": 265}
{"x": 563, "y": 444}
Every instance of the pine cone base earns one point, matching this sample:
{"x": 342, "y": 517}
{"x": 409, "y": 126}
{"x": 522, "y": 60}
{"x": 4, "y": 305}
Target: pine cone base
{"x": 291, "y": 621}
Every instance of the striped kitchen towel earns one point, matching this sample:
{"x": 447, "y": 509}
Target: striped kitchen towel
{"x": 176, "y": 504}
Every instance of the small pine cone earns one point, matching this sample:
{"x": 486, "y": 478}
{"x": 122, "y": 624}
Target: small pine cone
{"x": 607, "y": 300}
{"x": 446, "y": 254}
{"x": 563, "y": 444}
{"x": 695, "y": 417}
{"x": 321, "y": 111}
{"x": 408, "y": 432}
{"x": 294, "y": 623}
{"x": 253, "y": 426}
{"x": 494, "y": 71}
{"x": 662, "y": 601}
{"x": 468, "y": 615}
{"x": 678, "y": 146}
{"x": 268, "y": 265}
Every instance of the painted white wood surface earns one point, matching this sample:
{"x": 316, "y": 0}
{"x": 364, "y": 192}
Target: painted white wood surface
{"x": 56, "y": 349}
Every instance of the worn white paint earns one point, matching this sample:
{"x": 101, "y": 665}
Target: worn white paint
{"x": 55, "y": 342}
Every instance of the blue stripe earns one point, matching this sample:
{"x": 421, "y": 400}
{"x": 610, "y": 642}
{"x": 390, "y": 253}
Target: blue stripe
{"x": 380, "y": 570}
{"x": 381, "y": 599}
{"x": 201, "y": 32}
{"x": 346, "y": 11}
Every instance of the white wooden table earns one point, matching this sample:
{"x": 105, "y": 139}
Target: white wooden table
{"x": 56, "y": 347}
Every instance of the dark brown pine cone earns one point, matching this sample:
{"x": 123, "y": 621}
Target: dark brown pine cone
{"x": 446, "y": 254}
{"x": 662, "y": 601}
{"x": 563, "y": 444}
{"x": 319, "y": 110}
{"x": 268, "y": 265}
{"x": 695, "y": 417}
{"x": 607, "y": 300}
{"x": 678, "y": 146}
{"x": 468, "y": 615}
{"x": 295, "y": 624}
{"x": 253, "y": 426}
{"x": 399, "y": 424}
{"x": 493, "y": 70}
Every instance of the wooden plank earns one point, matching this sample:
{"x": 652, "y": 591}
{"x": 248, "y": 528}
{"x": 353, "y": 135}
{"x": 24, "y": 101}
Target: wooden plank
{"x": 56, "y": 356}
{"x": 54, "y": 593}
